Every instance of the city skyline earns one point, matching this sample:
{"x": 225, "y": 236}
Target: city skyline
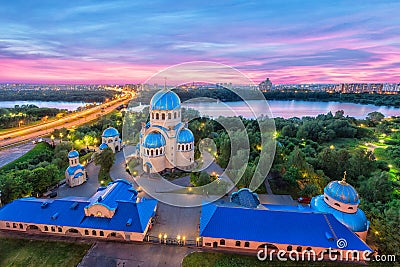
{"x": 120, "y": 42}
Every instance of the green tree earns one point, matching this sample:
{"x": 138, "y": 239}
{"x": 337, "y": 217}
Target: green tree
{"x": 106, "y": 160}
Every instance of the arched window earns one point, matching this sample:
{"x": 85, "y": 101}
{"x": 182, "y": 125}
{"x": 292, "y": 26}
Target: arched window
{"x": 94, "y": 233}
{"x": 237, "y": 243}
{"x": 157, "y": 116}
{"x": 246, "y": 244}
{"x": 14, "y": 225}
{"x": 299, "y": 249}
{"x": 327, "y": 198}
{"x": 308, "y": 248}
{"x": 179, "y": 147}
{"x": 46, "y": 228}
{"x": 337, "y": 204}
{"x": 222, "y": 242}
{"x": 175, "y": 115}
{"x": 101, "y": 233}
{"x": 157, "y": 152}
{"x": 350, "y": 208}
{"x": 169, "y": 116}
{"x": 59, "y": 229}
{"x": 190, "y": 146}
{"x": 152, "y": 115}
{"x": 187, "y": 147}
{"x": 53, "y": 229}
{"x": 152, "y": 152}
{"x": 21, "y": 226}
{"x": 8, "y": 225}
{"x": 148, "y": 152}
{"x": 289, "y": 248}
{"x": 86, "y": 232}
{"x": 163, "y": 116}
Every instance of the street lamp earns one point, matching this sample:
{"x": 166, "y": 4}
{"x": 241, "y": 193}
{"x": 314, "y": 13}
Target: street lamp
{"x": 61, "y": 136}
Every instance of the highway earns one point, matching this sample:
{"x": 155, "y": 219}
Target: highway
{"x": 78, "y": 118}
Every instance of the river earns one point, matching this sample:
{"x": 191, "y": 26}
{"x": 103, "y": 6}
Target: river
{"x": 43, "y": 104}
{"x": 288, "y": 109}
{"x": 279, "y": 108}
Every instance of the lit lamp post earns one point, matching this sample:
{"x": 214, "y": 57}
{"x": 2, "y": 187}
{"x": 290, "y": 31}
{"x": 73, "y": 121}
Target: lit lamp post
{"x": 160, "y": 238}
{"x": 52, "y": 139}
{"x": 184, "y": 240}
{"x": 197, "y": 241}
{"x": 20, "y": 123}
{"x": 61, "y": 136}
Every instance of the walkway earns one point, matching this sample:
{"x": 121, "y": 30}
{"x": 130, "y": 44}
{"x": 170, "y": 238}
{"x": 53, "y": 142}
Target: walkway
{"x": 137, "y": 255}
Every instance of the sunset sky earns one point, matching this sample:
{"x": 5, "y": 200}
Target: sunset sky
{"x": 128, "y": 41}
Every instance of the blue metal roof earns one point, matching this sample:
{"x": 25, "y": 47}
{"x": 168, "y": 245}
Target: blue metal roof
{"x": 79, "y": 174}
{"x": 342, "y": 192}
{"x": 280, "y": 227}
{"x": 71, "y": 170}
{"x": 73, "y": 154}
{"x": 245, "y": 198}
{"x": 357, "y": 222}
{"x": 103, "y": 146}
{"x": 185, "y": 136}
{"x": 154, "y": 140}
{"x": 165, "y": 100}
{"x": 70, "y": 211}
{"x": 110, "y": 132}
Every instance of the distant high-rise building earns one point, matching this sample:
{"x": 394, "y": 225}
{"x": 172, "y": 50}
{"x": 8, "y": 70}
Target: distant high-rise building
{"x": 265, "y": 86}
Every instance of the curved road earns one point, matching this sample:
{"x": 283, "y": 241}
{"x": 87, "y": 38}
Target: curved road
{"x": 74, "y": 120}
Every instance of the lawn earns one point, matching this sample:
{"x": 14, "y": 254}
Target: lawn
{"x": 208, "y": 259}
{"x": 22, "y": 252}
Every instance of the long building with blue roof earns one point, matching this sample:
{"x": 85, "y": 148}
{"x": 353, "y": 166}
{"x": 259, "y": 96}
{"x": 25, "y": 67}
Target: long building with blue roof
{"x": 246, "y": 224}
{"x": 114, "y": 211}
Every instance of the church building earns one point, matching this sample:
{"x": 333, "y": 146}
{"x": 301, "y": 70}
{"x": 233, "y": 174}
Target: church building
{"x": 165, "y": 141}
{"x": 75, "y": 174}
{"x": 110, "y": 139}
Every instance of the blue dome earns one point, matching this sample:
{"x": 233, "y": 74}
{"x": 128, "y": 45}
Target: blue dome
{"x": 185, "y": 136}
{"x": 165, "y": 100}
{"x": 154, "y": 140}
{"x": 103, "y": 146}
{"x": 110, "y": 132}
{"x": 71, "y": 170}
{"x": 357, "y": 222}
{"x": 342, "y": 192}
{"x": 73, "y": 154}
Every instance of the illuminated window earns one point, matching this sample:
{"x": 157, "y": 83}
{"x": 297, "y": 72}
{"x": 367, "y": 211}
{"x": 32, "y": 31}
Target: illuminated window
{"x": 99, "y": 214}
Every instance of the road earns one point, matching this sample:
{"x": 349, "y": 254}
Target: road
{"x": 13, "y": 153}
{"x": 70, "y": 121}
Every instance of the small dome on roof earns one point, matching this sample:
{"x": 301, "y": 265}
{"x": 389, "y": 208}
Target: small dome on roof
{"x": 103, "y": 146}
{"x": 245, "y": 198}
{"x": 185, "y": 136}
{"x": 154, "y": 140}
{"x": 110, "y": 132}
{"x": 73, "y": 154}
{"x": 165, "y": 100}
{"x": 343, "y": 192}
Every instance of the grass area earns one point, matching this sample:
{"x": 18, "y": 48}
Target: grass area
{"x": 208, "y": 259}
{"x": 40, "y": 148}
{"x": 21, "y": 252}
{"x": 345, "y": 142}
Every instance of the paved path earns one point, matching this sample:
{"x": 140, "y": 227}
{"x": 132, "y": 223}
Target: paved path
{"x": 10, "y": 154}
{"x": 85, "y": 190}
{"x": 105, "y": 254}
{"x": 118, "y": 170}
